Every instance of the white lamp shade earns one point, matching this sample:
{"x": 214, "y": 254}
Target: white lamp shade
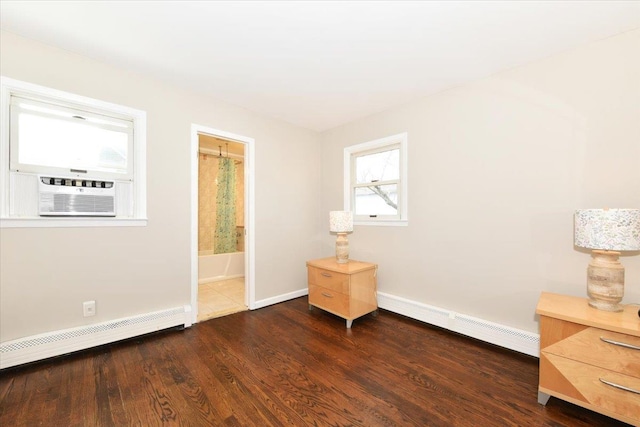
{"x": 340, "y": 221}
{"x": 608, "y": 229}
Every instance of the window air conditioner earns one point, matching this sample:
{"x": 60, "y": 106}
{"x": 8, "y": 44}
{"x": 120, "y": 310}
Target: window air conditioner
{"x": 76, "y": 197}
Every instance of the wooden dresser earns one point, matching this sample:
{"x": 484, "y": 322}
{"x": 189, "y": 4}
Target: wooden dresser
{"x": 346, "y": 290}
{"x": 590, "y": 357}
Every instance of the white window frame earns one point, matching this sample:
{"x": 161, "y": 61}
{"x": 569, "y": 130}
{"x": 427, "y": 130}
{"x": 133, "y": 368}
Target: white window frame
{"x": 10, "y": 87}
{"x": 22, "y": 104}
{"x": 350, "y": 153}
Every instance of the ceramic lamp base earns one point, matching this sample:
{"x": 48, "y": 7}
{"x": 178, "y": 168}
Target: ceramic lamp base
{"x": 605, "y": 281}
{"x": 342, "y": 249}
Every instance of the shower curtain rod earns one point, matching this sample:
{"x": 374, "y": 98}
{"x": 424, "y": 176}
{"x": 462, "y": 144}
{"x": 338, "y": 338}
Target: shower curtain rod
{"x": 215, "y": 153}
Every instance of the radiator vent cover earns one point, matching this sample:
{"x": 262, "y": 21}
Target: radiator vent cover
{"x": 76, "y": 197}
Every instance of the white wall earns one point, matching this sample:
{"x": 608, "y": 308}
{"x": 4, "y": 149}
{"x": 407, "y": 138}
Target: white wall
{"x": 47, "y": 273}
{"x": 496, "y": 170}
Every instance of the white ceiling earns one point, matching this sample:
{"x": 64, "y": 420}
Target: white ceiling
{"x": 318, "y": 64}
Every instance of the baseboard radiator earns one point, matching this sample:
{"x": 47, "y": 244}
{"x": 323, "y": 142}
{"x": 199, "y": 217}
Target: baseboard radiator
{"x": 494, "y": 333}
{"x": 43, "y": 346}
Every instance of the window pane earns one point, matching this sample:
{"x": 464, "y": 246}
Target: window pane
{"x": 377, "y": 200}
{"x": 51, "y": 142}
{"x": 381, "y": 166}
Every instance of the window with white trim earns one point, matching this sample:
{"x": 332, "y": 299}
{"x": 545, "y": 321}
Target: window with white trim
{"x": 48, "y": 137}
{"x": 73, "y": 146}
{"x": 376, "y": 181}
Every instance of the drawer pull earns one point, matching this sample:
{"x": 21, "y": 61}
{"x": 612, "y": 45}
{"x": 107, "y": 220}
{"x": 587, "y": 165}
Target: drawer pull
{"x": 621, "y": 387}
{"x": 621, "y": 344}
{"x": 324, "y": 294}
{"x": 325, "y": 274}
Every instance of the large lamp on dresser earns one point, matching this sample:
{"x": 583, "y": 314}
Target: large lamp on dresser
{"x": 607, "y": 232}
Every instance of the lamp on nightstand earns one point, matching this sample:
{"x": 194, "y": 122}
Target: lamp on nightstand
{"x": 341, "y": 222}
{"x": 606, "y": 232}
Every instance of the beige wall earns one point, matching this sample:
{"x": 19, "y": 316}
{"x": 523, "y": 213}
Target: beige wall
{"x": 47, "y": 273}
{"x": 496, "y": 170}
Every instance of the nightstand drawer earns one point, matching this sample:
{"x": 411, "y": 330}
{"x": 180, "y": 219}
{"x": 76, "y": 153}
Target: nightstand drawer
{"x": 329, "y": 300}
{"x": 338, "y": 282}
{"x": 620, "y": 353}
{"x": 581, "y": 383}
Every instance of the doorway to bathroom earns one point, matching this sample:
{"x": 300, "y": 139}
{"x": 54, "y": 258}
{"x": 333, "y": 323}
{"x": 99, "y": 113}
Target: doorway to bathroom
{"x": 222, "y": 218}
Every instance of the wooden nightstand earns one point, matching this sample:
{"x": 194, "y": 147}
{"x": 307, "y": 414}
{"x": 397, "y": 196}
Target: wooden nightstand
{"x": 346, "y": 290}
{"x": 590, "y": 357}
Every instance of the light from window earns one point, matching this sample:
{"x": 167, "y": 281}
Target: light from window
{"x": 375, "y": 181}
{"x": 376, "y": 187}
{"x": 70, "y": 140}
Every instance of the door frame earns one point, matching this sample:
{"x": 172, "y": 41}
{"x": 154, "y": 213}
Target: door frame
{"x": 249, "y": 213}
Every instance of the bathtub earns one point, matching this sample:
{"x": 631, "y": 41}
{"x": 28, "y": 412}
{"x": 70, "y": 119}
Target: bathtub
{"x": 215, "y": 267}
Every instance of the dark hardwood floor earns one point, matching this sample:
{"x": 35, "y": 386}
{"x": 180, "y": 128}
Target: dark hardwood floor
{"x": 286, "y": 365}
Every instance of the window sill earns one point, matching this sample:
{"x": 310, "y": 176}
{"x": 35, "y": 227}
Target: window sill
{"x": 383, "y": 223}
{"x": 39, "y": 222}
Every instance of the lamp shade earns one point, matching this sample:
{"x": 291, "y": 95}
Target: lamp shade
{"x": 608, "y": 229}
{"x": 340, "y": 221}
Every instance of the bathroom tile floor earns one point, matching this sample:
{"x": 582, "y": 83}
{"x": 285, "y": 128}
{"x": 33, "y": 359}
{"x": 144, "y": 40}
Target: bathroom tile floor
{"x": 216, "y": 299}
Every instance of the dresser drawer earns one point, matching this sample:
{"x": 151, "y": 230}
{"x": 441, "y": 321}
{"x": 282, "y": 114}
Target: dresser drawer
{"x": 338, "y": 282}
{"x": 581, "y": 383}
{"x": 587, "y": 346}
{"x": 329, "y": 300}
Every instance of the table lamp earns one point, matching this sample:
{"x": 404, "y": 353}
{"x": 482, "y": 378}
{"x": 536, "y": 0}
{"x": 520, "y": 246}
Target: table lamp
{"x": 607, "y": 232}
{"x": 341, "y": 222}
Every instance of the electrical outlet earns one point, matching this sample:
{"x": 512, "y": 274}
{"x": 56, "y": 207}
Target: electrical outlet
{"x": 89, "y": 308}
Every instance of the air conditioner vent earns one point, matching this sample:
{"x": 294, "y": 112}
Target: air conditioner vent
{"x": 76, "y": 197}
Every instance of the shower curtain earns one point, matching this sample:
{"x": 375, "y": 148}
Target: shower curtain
{"x": 225, "y": 232}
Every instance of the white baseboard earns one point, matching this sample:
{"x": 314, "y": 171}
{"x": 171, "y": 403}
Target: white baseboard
{"x": 494, "y": 333}
{"x": 281, "y": 298}
{"x": 56, "y": 343}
